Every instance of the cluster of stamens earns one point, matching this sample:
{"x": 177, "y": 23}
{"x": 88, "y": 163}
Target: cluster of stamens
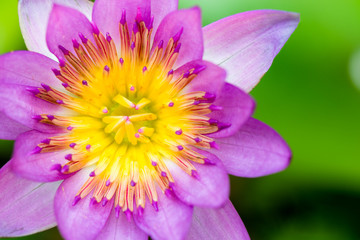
{"x": 127, "y": 116}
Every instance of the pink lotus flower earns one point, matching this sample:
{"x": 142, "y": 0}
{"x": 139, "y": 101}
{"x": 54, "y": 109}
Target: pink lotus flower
{"x": 134, "y": 116}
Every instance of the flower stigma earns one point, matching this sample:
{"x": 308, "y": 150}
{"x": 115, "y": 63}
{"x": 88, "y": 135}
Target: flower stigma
{"x": 126, "y": 116}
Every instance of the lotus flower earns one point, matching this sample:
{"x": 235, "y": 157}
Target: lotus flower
{"x": 123, "y": 123}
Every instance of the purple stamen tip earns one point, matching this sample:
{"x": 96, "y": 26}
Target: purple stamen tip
{"x": 137, "y": 135}
{"x": 106, "y": 68}
{"x": 121, "y": 61}
{"x": 177, "y": 49}
{"x": 195, "y": 174}
{"x": 76, "y": 200}
{"x": 140, "y": 211}
{"x": 46, "y": 87}
{"x": 64, "y": 50}
{"x": 128, "y": 215}
{"x": 132, "y": 183}
{"x": 65, "y": 85}
{"x": 208, "y": 161}
{"x": 197, "y": 140}
{"x": 171, "y": 185}
{"x": 88, "y": 147}
{"x": 171, "y": 104}
{"x": 84, "y": 82}
{"x": 144, "y": 69}
{"x": 163, "y": 174}
{"x": 108, "y": 37}
{"x": 138, "y": 17}
{"x": 93, "y": 201}
{"x": 215, "y": 108}
{"x": 108, "y": 183}
{"x": 50, "y": 117}
{"x": 123, "y": 17}
{"x": 222, "y": 126}
{"x": 36, "y": 150}
{"x": 213, "y": 121}
{"x": 56, "y": 167}
{"x": 72, "y": 145}
{"x": 33, "y": 90}
{"x": 161, "y": 44}
{"x": 62, "y": 62}
{"x": 68, "y": 157}
{"x": 180, "y": 148}
{"x": 65, "y": 169}
{"x": 59, "y": 101}
{"x": 179, "y": 132}
{"x": 117, "y": 211}
{"x": 199, "y": 69}
{"x": 209, "y": 95}
{"x": 214, "y": 145}
{"x": 154, "y": 163}
{"x": 69, "y": 128}
{"x": 56, "y": 72}
{"x": 37, "y": 117}
{"x": 151, "y": 23}
{"x": 95, "y": 29}
{"x": 177, "y": 36}
{"x": 83, "y": 38}
{"x": 104, "y": 201}
{"x": 92, "y": 174}
{"x": 75, "y": 43}
{"x": 171, "y": 72}
{"x": 132, "y": 88}
{"x": 186, "y": 75}
{"x": 132, "y": 45}
{"x": 46, "y": 141}
{"x": 155, "y": 205}
{"x": 196, "y": 102}
{"x": 135, "y": 28}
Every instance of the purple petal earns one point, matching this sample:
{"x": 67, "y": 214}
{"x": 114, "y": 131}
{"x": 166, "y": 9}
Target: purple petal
{"x": 84, "y": 220}
{"x": 161, "y": 8}
{"x": 191, "y": 39}
{"x": 172, "y": 221}
{"x": 34, "y": 15}
{"x": 211, "y": 187}
{"x": 64, "y": 25}
{"x": 237, "y": 108}
{"x": 222, "y": 223}
{"x": 26, "y": 207}
{"x": 255, "y": 150}
{"x": 246, "y": 44}
{"x": 28, "y": 68}
{"x": 107, "y": 14}
{"x": 120, "y": 228}
{"x": 9, "y": 128}
{"x": 21, "y": 106}
{"x": 40, "y": 166}
{"x": 209, "y": 79}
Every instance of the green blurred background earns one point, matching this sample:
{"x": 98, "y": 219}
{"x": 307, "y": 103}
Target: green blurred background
{"x": 310, "y": 97}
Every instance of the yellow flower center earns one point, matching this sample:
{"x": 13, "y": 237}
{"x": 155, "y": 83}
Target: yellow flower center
{"x": 127, "y": 116}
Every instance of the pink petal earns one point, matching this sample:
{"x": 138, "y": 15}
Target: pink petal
{"x": 21, "y": 106}
{"x": 172, "y": 221}
{"x": 246, "y": 44}
{"x": 191, "y": 39}
{"x": 120, "y": 228}
{"x": 37, "y": 166}
{"x": 255, "y": 150}
{"x": 210, "y": 79}
{"x": 237, "y": 106}
{"x": 9, "y": 128}
{"x": 64, "y": 25}
{"x": 84, "y": 220}
{"x": 210, "y": 187}
{"x": 213, "y": 224}
{"x": 28, "y": 68}
{"x": 26, "y": 207}
{"x": 34, "y": 15}
{"x": 107, "y": 15}
{"x": 161, "y": 8}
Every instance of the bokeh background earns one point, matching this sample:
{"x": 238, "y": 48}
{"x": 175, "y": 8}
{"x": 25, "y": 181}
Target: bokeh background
{"x": 311, "y": 96}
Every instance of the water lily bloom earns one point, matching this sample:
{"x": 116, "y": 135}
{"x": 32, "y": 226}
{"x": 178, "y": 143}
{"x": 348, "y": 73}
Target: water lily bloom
{"x": 123, "y": 123}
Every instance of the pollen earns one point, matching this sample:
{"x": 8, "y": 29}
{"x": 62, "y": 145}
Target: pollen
{"x": 127, "y": 115}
